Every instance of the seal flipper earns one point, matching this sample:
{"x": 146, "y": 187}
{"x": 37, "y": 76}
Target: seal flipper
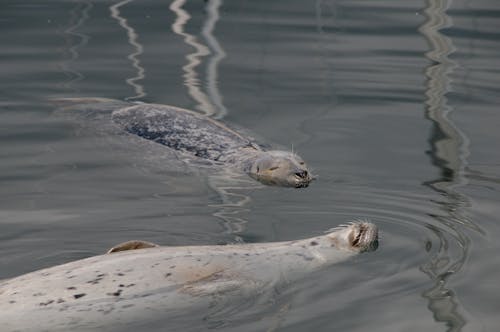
{"x": 131, "y": 245}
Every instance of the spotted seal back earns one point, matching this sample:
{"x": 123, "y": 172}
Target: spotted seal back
{"x": 181, "y": 130}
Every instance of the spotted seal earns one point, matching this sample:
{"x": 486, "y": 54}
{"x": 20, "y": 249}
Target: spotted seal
{"x": 133, "y": 285}
{"x": 203, "y": 137}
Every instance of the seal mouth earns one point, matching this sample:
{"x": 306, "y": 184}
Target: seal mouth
{"x": 303, "y": 184}
{"x": 299, "y": 179}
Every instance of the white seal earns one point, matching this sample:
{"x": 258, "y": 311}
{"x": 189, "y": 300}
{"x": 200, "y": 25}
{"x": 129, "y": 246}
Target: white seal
{"x": 138, "y": 281}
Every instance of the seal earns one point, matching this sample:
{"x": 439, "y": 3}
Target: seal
{"x": 203, "y": 137}
{"x": 130, "y": 285}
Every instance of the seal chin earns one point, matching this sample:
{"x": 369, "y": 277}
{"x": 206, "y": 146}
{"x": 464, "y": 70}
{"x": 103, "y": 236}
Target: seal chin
{"x": 300, "y": 179}
{"x": 292, "y": 180}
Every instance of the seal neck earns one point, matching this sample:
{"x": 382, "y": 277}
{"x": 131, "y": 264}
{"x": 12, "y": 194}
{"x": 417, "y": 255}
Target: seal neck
{"x": 321, "y": 251}
{"x": 243, "y": 157}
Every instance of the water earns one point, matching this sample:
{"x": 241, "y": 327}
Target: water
{"x": 393, "y": 104}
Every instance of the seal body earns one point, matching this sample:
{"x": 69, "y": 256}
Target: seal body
{"x": 201, "y": 136}
{"x": 104, "y": 292}
{"x": 181, "y": 130}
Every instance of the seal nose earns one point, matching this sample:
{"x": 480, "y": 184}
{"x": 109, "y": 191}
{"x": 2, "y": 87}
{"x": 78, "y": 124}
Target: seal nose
{"x": 302, "y": 174}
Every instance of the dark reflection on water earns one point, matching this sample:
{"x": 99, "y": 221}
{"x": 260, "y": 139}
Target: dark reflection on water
{"x": 445, "y": 142}
{"x": 449, "y": 151}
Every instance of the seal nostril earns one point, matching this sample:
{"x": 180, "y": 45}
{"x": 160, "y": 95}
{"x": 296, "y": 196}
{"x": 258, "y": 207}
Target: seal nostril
{"x": 361, "y": 233}
{"x": 355, "y": 242}
{"x": 301, "y": 174}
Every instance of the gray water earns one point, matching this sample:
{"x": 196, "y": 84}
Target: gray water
{"x": 394, "y": 104}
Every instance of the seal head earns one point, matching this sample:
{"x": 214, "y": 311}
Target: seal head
{"x": 280, "y": 168}
{"x": 359, "y": 236}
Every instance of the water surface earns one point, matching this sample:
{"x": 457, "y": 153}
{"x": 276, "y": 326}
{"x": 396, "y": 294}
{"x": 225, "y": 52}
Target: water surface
{"x": 393, "y": 104}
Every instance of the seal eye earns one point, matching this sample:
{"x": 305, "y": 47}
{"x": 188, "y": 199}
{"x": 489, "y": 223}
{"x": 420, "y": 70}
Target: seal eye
{"x": 274, "y": 168}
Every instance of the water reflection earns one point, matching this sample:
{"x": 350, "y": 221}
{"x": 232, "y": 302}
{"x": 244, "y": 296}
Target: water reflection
{"x": 217, "y": 55}
{"x": 210, "y": 104}
{"x": 449, "y": 152}
{"x": 134, "y": 57}
{"x": 226, "y": 185}
{"x": 77, "y": 18}
{"x": 191, "y": 80}
{"x": 229, "y": 186}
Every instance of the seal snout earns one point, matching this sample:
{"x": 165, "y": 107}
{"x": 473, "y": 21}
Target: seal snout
{"x": 302, "y": 178}
{"x": 364, "y": 237}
